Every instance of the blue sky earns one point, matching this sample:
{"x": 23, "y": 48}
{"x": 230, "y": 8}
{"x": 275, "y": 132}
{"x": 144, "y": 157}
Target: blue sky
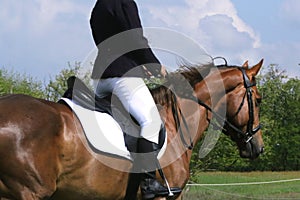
{"x": 40, "y": 37}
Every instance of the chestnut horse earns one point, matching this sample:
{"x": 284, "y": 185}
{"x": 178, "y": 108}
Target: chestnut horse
{"x": 44, "y": 154}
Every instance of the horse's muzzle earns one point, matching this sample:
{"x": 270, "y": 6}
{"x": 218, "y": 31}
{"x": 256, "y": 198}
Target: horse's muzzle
{"x": 251, "y": 150}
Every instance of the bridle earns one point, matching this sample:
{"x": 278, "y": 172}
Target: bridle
{"x": 246, "y": 136}
{"x": 250, "y": 132}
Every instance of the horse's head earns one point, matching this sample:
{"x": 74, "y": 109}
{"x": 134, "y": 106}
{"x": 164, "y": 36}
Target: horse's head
{"x": 242, "y": 110}
{"x": 231, "y": 95}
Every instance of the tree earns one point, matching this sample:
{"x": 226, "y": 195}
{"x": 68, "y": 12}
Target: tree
{"x": 13, "y": 83}
{"x": 57, "y": 86}
{"x": 288, "y": 139}
{"x": 280, "y": 113}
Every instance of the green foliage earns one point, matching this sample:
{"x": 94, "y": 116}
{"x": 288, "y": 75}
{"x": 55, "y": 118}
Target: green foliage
{"x": 58, "y": 85}
{"x": 14, "y": 82}
{"x": 154, "y": 82}
{"x": 280, "y": 115}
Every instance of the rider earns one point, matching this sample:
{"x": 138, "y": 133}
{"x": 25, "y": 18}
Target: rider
{"x": 124, "y": 59}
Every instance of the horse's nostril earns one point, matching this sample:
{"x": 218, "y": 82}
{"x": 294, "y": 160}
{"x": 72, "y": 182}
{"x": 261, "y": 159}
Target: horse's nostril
{"x": 262, "y": 149}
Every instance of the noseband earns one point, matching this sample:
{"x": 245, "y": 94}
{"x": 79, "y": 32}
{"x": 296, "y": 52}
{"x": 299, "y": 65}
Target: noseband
{"x": 248, "y": 135}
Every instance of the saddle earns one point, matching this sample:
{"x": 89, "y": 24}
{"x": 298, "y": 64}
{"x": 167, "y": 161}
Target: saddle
{"x": 81, "y": 95}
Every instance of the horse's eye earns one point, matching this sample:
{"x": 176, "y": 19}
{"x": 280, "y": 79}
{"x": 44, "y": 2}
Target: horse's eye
{"x": 258, "y": 101}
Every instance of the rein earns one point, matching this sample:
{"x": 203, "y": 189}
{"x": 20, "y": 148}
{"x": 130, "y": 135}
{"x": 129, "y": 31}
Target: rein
{"x": 176, "y": 113}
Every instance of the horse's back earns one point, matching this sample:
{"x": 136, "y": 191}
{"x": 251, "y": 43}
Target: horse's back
{"x": 29, "y": 130}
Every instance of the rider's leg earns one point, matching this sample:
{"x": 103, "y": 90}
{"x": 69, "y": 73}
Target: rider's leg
{"x": 138, "y": 101}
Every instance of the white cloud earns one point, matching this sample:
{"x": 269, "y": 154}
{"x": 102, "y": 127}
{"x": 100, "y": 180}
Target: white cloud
{"x": 216, "y": 26}
{"x": 41, "y": 36}
{"x": 50, "y": 12}
{"x": 189, "y": 18}
{"x": 9, "y": 18}
{"x": 49, "y": 33}
{"x": 222, "y": 36}
{"x": 38, "y": 16}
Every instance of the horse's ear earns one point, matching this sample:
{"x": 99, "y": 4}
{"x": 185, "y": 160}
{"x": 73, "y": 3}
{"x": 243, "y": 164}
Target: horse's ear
{"x": 245, "y": 65}
{"x": 255, "y": 69}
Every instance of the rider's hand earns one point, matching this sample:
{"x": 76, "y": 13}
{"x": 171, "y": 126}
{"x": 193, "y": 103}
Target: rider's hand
{"x": 163, "y": 71}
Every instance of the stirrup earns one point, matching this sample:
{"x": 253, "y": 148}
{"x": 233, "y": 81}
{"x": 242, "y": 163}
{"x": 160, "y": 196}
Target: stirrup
{"x": 152, "y": 188}
{"x": 162, "y": 174}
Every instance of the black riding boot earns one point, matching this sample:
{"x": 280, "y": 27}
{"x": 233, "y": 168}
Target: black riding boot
{"x": 150, "y": 187}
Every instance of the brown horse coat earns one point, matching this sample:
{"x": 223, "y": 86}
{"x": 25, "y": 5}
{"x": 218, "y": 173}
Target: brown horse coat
{"x": 44, "y": 154}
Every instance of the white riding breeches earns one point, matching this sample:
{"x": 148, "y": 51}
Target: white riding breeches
{"x": 137, "y": 100}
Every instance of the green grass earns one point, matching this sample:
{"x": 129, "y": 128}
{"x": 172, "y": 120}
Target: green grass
{"x": 276, "y": 191}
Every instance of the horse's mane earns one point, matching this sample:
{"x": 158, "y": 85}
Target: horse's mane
{"x": 181, "y": 83}
{"x": 192, "y": 73}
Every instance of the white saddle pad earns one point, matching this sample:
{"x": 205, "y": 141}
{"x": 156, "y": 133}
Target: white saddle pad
{"x": 103, "y": 132}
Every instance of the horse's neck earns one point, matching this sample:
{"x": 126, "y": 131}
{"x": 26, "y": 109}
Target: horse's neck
{"x": 213, "y": 89}
{"x": 177, "y": 153}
